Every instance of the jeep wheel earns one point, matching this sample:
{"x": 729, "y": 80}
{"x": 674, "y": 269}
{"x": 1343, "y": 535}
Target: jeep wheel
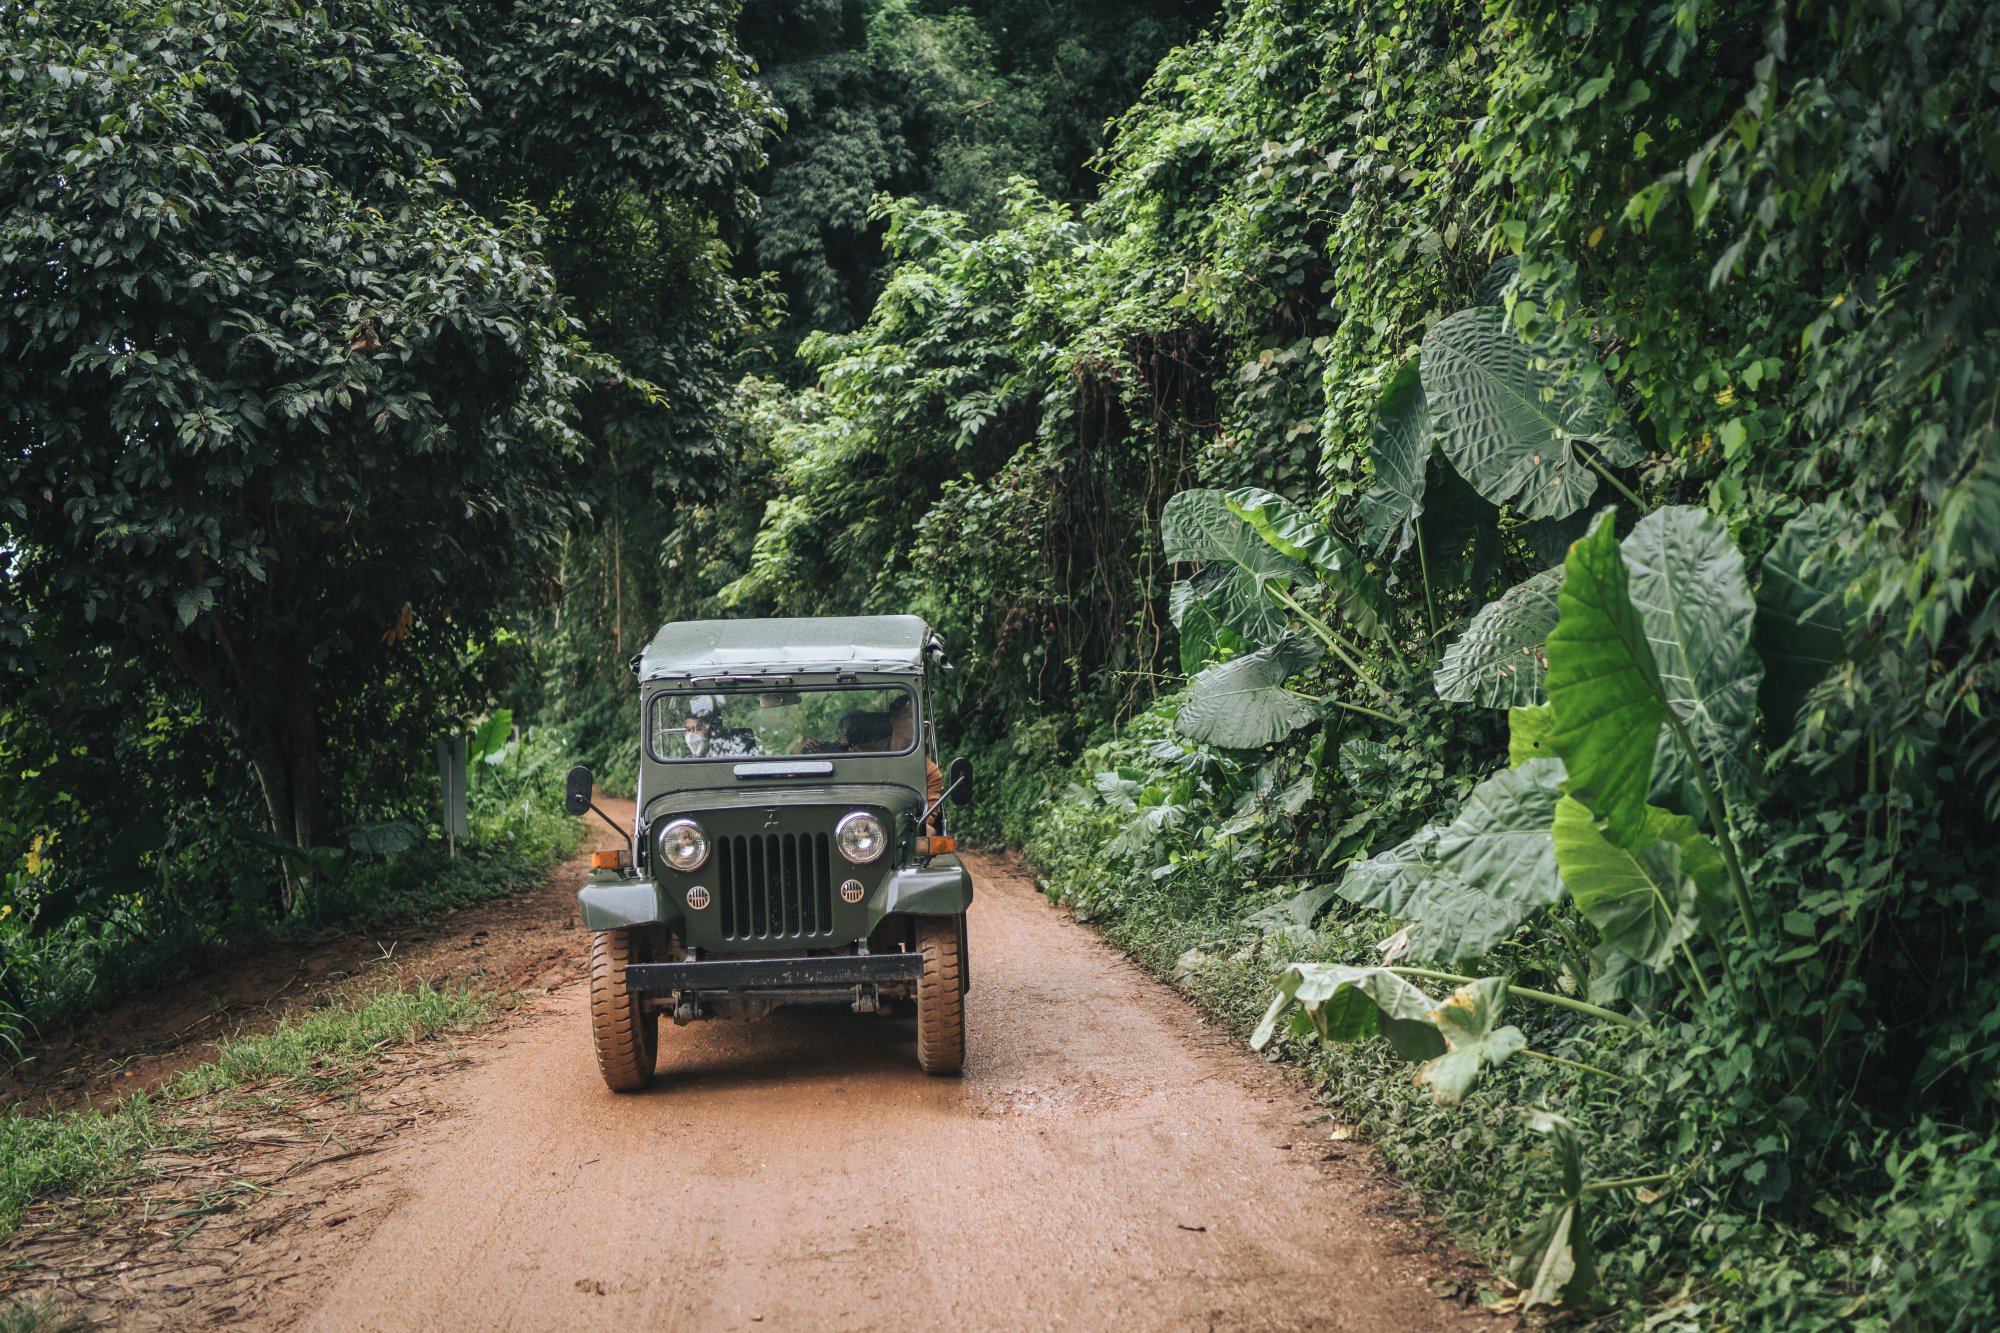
{"x": 940, "y": 996}
{"x": 627, "y": 1038}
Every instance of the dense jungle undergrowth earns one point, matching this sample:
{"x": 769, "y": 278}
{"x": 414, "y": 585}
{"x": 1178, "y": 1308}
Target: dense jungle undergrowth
{"x": 1468, "y": 531}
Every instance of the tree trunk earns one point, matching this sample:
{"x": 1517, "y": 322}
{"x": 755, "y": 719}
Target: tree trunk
{"x": 276, "y": 720}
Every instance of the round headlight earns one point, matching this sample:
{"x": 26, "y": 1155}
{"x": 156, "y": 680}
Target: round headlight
{"x": 683, "y": 845}
{"x": 860, "y": 837}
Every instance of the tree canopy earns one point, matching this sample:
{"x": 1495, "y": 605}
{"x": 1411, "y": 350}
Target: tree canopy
{"x": 292, "y": 390}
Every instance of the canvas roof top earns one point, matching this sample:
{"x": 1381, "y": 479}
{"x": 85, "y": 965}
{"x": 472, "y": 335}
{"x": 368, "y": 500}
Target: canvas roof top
{"x": 776, "y": 645}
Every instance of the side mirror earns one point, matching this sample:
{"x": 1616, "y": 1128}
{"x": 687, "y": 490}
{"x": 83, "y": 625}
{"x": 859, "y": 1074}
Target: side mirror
{"x": 958, "y": 781}
{"x": 576, "y": 799}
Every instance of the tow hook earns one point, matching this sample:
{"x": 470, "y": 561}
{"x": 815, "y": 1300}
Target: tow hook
{"x": 685, "y": 1009}
{"x": 864, "y": 1000}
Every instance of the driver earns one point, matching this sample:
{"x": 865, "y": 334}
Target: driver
{"x": 706, "y": 737}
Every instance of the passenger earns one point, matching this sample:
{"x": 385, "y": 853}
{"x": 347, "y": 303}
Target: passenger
{"x": 903, "y": 736}
{"x": 863, "y": 732}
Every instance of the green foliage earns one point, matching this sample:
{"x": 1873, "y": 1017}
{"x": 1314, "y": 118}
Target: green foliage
{"x": 1687, "y": 583}
{"x": 1604, "y": 686}
{"x": 926, "y": 101}
{"x": 1243, "y": 703}
{"x": 1351, "y": 1003}
{"x": 1240, "y": 565}
{"x": 1643, "y": 896}
{"x": 1507, "y": 421}
{"x": 1399, "y": 447}
{"x": 1474, "y": 1039}
{"x": 1470, "y": 883}
{"x": 1498, "y": 661}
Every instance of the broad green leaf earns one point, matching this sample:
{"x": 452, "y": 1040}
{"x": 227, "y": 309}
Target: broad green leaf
{"x": 1499, "y": 661}
{"x": 1352, "y": 1004}
{"x": 1528, "y": 734}
{"x": 1390, "y": 881}
{"x": 1237, "y": 565}
{"x": 1565, "y": 1147}
{"x": 1200, "y": 632}
{"x": 1508, "y": 418}
{"x": 1472, "y": 1042}
{"x": 1243, "y": 703}
{"x": 1458, "y": 533}
{"x": 1370, "y": 767}
{"x": 381, "y": 838}
{"x": 1457, "y": 922}
{"x": 490, "y": 736}
{"x": 1293, "y": 532}
{"x": 1603, "y": 686}
{"x": 1803, "y": 626}
{"x": 1552, "y": 1258}
{"x": 1686, "y": 580}
{"x": 1399, "y": 448}
{"x": 1120, "y": 787}
{"x": 1499, "y": 842}
{"x": 1294, "y": 913}
{"x": 1618, "y": 978}
{"x": 1497, "y": 281}
{"x": 1646, "y": 897}
{"x": 1548, "y": 539}
{"x": 1471, "y": 883}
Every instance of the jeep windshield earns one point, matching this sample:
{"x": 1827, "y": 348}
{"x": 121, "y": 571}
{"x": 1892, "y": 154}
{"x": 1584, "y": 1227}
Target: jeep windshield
{"x": 782, "y": 723}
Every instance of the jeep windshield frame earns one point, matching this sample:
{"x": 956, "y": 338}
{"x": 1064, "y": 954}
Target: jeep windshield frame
{"x": 723, "y": 692}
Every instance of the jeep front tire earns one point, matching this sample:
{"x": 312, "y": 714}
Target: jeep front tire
{"x": 627, "y": 1037}
{"x": 940, "y": 996}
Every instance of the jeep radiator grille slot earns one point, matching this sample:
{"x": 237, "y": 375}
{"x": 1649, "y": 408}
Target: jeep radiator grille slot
{"x": 775, "y": 886}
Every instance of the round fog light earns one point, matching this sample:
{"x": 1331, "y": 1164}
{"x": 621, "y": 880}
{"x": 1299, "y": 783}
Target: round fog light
{"x": 861, "y": 838}
{"x": 697, "y": 897}
{"x": 851, "y": 891}
{"x": 683, "y": 845}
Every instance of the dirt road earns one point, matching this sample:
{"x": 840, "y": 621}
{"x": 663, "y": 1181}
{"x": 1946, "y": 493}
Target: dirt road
{"x": 1106, "y": 1161}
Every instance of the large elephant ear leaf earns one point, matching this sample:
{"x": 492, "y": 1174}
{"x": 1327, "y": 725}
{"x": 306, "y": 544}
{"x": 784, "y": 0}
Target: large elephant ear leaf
{"x": 1243, "y": 703}
{"x": 1399, "y": 447}
{"x": 1237, "y": 565}
{"x": 1498, "y": 280}
{"x": 1686, "y": 581}
{"x": 1472, "y": 882}
{"x": 1469, "y": 1021}
{"x": 1645, "y": 898}
{"x": 1295, "y": 533}
{"x": 1528, "y": 731}
{"x": 1344, "y": 1003}
{"x": 1803, "y": 625}
{"x": 1499, "y": 841}
{"x": 1509, "y": 418}
{"x": 1390, "y": 881}
{"x": 1499, "y": 661}
{"x": 1604, "y": 687}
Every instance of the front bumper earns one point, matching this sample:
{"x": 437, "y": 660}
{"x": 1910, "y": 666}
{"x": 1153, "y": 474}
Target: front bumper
{"x": 729, "y": 976}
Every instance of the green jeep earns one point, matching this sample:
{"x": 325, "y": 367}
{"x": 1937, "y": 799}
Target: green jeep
{"x": 789, "y": 846}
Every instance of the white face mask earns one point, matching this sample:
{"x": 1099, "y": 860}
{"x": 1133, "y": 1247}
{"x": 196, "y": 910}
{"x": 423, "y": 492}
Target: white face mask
{"x": 697, "y": 742}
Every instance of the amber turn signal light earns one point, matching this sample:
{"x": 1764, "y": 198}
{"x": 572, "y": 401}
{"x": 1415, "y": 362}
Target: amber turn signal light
{"x": 936, "y": 846}
{"x": 607, "y": 860}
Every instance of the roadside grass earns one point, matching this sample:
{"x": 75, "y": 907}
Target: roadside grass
{"x": 37, "y": 1315}
{"x": 89, "y": 1153}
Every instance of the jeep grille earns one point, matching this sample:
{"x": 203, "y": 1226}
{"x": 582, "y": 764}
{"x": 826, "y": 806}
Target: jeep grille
{"x": 775, "y": 886}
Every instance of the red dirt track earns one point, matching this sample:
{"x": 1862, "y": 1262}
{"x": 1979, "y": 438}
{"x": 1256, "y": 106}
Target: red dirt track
{"x": 1107, "y": 1160}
